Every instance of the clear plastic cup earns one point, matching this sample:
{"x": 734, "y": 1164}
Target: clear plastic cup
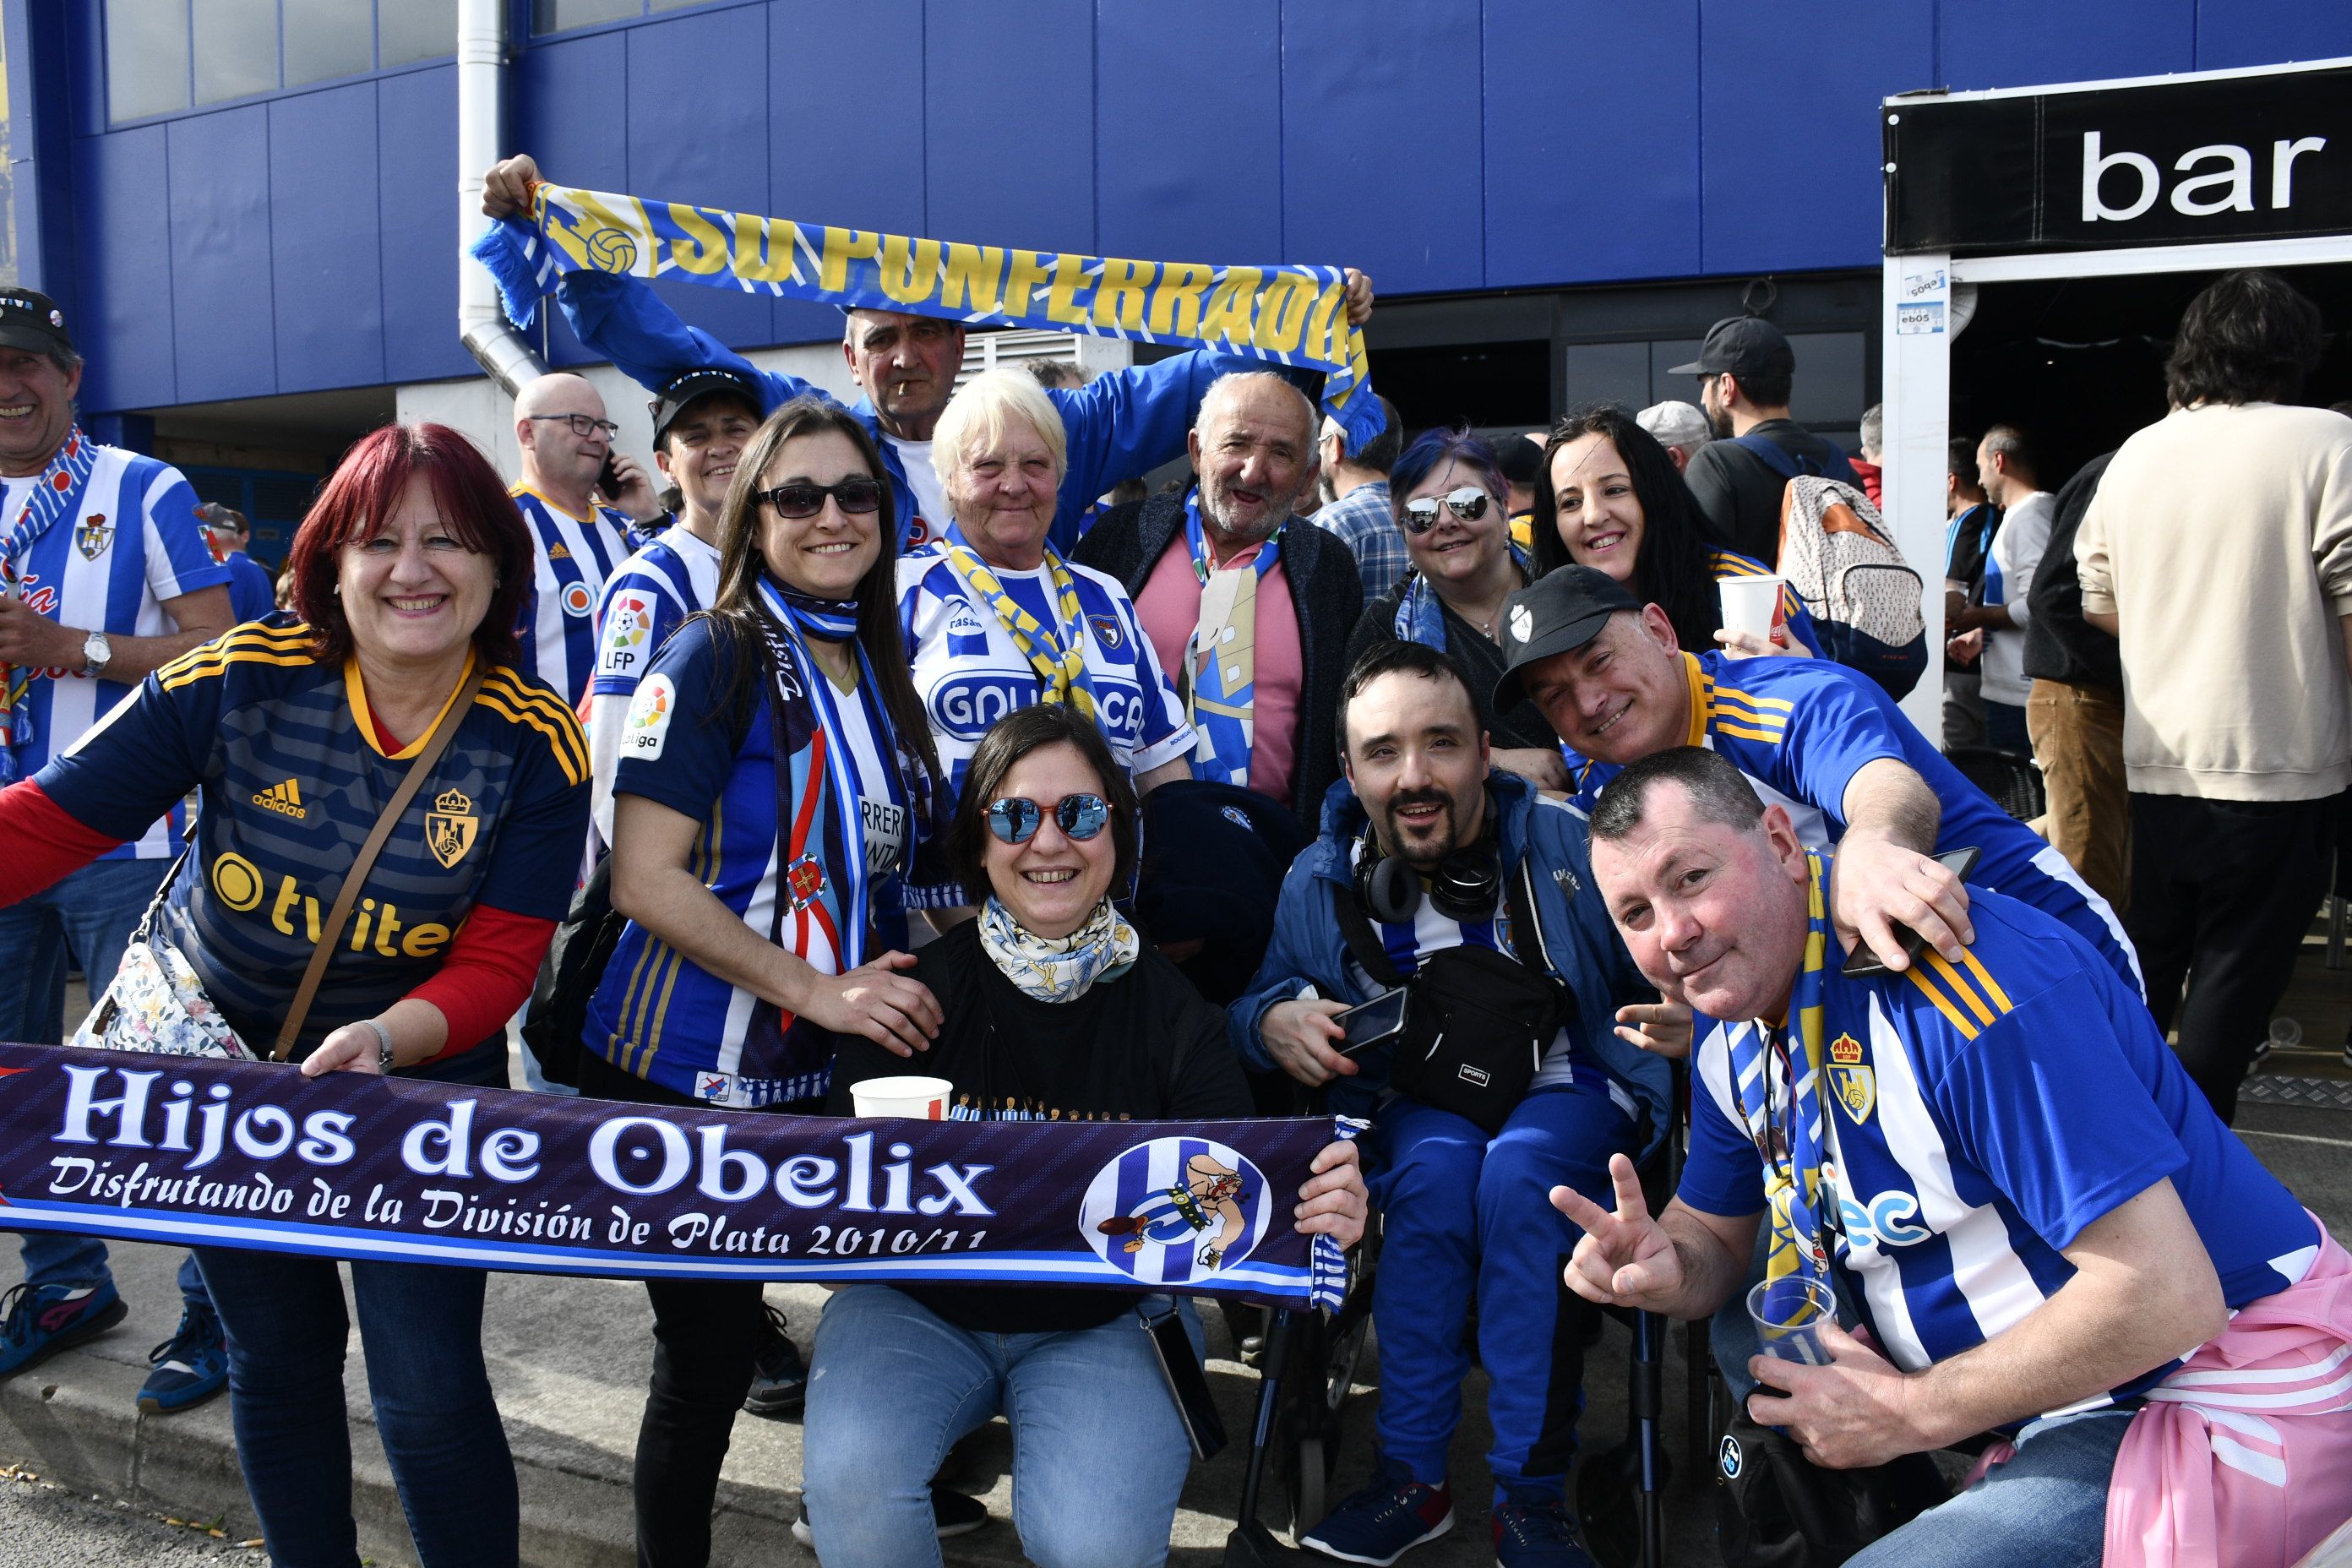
{"x": 1788, "y": 1313}
{"x": 1752, "y": 606}
{"x": 913, "y": 1099}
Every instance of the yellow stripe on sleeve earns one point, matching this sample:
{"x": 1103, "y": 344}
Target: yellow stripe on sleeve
{"x": 1943, "y": 1004}
{"x": 1984, "y": 978}
{"x": 1958, "y": 982}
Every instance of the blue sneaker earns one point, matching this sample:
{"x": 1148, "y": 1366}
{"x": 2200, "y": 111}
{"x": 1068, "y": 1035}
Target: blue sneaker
{"x": 190, "y": 1367}
{"x": 37, "y": 1322}
{"x": 779, "y": 1376}
{"x": 1393, "y": 1514}
{"x": 1537, "y": 1535}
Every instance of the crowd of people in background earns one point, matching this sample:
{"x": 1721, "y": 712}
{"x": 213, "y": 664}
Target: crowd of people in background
{"x": 945, "y": 668}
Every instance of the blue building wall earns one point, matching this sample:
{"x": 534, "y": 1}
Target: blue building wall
{"x": 308, "y": 239}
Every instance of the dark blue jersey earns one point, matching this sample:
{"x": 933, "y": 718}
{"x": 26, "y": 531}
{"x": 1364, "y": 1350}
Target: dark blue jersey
{"x": 291, "y": 780}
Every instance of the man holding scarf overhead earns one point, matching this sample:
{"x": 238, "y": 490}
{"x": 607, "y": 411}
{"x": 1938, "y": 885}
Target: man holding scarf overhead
{"x": 104, "y": 575}
{"x": 1248, "y": 610}
{"x": 1120, "y": 426}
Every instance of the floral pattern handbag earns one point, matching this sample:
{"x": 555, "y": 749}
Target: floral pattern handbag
{"x": 155, "y": 1002}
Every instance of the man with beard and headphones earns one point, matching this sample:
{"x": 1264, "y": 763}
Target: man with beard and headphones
{"x": 1441, "y": 877}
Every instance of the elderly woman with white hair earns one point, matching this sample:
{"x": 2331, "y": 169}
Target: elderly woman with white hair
{"x": 995, "y": 620}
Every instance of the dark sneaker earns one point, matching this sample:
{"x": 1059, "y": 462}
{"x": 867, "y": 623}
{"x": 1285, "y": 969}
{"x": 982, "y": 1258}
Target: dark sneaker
{"x": 190, "y": 1367}
{"x": 1381, "y": 1523}
{"x": 1537, "y": 1535}
{"x": 779, "y": 1378}
{"x": 952, "y": 1514}
{"x": 36, "y": 1323}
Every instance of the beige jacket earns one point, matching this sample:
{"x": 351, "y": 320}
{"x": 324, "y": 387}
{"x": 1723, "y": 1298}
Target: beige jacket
{"x": 2221, "y": 538}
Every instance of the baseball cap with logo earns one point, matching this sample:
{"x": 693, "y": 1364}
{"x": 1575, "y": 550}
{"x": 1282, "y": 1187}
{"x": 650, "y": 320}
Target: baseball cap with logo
{"x": 31, "y": 321}
{"x": 1557, "y": 613}
{"x": 684, "y": 389}
{"x": 1741, "y": 346}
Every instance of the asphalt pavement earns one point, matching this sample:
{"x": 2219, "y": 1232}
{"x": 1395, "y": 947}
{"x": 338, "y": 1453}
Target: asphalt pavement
{"x": 45, "y": 1526}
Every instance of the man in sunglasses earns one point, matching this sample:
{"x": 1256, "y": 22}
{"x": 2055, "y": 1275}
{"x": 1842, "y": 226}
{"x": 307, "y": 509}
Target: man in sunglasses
{"x": 1440, "y": 874}
{"x": 566, "y": 442}
{"x": 1121, "y": 424}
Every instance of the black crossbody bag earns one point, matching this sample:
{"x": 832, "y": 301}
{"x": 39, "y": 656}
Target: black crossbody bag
{"x": 1476, "y": 1022}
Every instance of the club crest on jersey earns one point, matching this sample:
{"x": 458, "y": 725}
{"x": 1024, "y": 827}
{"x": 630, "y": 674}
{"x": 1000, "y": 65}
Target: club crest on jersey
{"x": 1855, "y": 1084}
{"x": 1108, "y": 631}
{"x": 450, "y": 827}
{"x": 1239, "y": 818}
{"x": 92, "y": 535}
{"x": 803, "y": 880}
{"x": 578, "y": 600}
{"x": 1174, "y": 1210}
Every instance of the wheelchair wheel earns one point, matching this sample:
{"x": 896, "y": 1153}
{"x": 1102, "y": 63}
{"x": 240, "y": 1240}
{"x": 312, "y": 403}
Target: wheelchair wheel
{"x": 1308, "y": 1485}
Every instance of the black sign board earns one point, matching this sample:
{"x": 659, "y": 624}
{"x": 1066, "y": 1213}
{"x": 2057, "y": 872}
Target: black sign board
{"x": 2166, "y": 163}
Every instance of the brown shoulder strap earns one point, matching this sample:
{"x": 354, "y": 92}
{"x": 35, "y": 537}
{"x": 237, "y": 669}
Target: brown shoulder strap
{"x": 331, "y": 932}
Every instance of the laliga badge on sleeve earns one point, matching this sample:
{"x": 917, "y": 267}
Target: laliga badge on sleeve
{"x": 650, "y": 711}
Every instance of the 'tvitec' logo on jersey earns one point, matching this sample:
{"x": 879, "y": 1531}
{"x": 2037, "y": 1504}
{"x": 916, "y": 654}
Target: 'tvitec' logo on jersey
{"x": 1175, "y": 1210}
{"x": 1855, "y": 1083}
{"x": 450, "y": 827}
{"x": 92, "y": 535}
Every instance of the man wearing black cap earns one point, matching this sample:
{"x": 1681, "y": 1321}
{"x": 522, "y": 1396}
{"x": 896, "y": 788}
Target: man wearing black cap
{"x": 1746, "y": 371}
{"x": 104, "y": 576}
{"x": 1822, "y": 741}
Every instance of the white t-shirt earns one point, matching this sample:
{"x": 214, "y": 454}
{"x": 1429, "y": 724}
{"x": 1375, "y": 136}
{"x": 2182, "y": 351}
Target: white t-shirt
{"x": 931, "y": 496}
{"x": 2008, "y": 575}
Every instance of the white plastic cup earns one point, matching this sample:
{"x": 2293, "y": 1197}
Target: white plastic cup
{"x": 913, "y": 1099}
{"x": 1788, "y": 1313}
{"x": 1752, "y": 606}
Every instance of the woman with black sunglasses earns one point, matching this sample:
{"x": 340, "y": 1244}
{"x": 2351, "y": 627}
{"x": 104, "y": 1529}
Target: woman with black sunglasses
{"x": 773, "y": 766}
{"x": 1448, "y": 492}
{"x": 1054, "y": 1011}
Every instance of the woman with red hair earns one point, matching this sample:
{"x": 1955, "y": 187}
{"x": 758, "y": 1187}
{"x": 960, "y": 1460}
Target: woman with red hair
{"x": 297, "y": 729}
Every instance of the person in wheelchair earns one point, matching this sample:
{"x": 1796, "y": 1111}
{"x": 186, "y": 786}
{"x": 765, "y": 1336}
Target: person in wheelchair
{"x": 1053, "y": 1008}
{"x": 1457, "y": 882}
{"x": 2049, "y": 1233}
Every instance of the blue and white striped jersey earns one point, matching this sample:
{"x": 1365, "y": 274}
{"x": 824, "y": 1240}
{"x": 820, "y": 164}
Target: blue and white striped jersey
{"x": 1981, "y": 1115}
{"x": 571, "y": 558}
{"x": 643, "y": 603}
{"x": 1802, "y": 728}
{"x": 969, "y": 674}
{"x": 135, "y": 543}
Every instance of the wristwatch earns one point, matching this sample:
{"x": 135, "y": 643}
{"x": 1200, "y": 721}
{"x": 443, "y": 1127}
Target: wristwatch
{"x": 384, "y": 1062}
{"x": 95, "y": 653}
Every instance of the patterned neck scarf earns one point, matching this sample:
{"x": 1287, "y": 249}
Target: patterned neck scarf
{"x": 828, "y": 620}
{"x": 56, "y": 494}
{"x": 1793, "y": 1188}
{"x": 1221, "y": 660}
{"x": 1421, "y": 619}
{"x": 1058, "y": 655}
{"x": 1058, "y": 969}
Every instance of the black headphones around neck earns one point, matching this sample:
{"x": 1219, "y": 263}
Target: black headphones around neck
{"x": 1463, "y": 887}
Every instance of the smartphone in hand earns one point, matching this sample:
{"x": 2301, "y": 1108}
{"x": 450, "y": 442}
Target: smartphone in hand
{"x": 1862, "y": 961}
{"x": 1370, "y": 1023}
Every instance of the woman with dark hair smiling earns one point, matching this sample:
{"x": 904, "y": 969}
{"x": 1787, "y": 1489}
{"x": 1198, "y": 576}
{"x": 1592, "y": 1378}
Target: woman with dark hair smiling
{"x": 1054, "y": 1010}
{"x": 408, "y": 573}
{"x": 1610, "y": 498}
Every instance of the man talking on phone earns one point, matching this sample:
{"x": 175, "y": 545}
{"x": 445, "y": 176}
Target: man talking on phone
{"x": 1441, "y": 876}
{"x": 2045, "y": 1229}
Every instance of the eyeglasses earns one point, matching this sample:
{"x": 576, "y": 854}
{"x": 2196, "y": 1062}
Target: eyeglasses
{"x": 1080, "y": 816}
{"x": 583, "y": 425}
{"x": 1468, "y": 503}
{"x": 858, "y": 495}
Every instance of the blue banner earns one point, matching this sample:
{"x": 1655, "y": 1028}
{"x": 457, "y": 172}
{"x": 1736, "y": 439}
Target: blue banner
{"x": 1291, "y": 315}
{"x": 253, "y": 1154}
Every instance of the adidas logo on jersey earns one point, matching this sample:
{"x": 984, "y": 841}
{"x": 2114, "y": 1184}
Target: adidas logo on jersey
{"x": 286, "y": 799}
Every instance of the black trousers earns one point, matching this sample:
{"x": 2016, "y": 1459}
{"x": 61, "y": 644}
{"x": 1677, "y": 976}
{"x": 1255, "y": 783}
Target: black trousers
{"x": 2221, "y": 893}
{"x": 705, "y": 1333}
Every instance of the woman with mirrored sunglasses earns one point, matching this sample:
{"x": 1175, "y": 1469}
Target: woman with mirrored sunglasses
{"x": 1610, "y": 498}
{"x": 996, "y": 619}
{"x": 774, "y": 767}
{"x": 1056, "y": 1011}
{"x": 1447, "y": 492}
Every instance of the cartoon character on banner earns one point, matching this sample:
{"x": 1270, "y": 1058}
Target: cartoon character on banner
{"x": 1163, "y": 1209}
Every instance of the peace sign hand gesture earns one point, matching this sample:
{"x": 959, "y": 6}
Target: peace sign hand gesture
{"x": 1624, "y": 1259}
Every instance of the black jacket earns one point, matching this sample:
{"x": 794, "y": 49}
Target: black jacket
{"x": 1127, "y": 542}
{"x": 2059, "y": 644}
{"x": 1739, "y": 494}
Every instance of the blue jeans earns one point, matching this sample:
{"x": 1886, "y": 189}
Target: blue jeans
{"x": 2048, "y": 1506}
{"x": 1099, "y": 1451}
{"x": 1462, "y": 1211}
{"x": 89, "y": 914}
{"x": 421, "y": 1329}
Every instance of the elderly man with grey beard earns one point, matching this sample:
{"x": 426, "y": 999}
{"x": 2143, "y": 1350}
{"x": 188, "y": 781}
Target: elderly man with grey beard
{"x": 1247, "y": 610}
